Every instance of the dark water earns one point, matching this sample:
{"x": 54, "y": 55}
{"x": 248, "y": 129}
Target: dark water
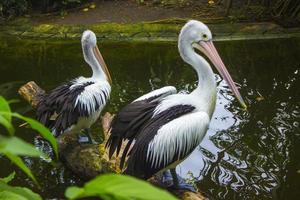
{"x": 245, "y": 155}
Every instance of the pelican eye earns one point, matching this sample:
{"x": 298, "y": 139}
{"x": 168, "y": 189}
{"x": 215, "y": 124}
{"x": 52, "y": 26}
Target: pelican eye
{"x": 204, "y": 36}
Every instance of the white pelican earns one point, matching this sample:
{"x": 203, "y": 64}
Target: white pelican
{"x": 162, "y": 128}
{"x": 77, "y": 104}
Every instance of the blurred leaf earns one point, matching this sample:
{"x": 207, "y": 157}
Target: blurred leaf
{"x": 85, "y": 9}
{"x": 73, "y": 192}
{"x": 16, "y": 146}
{"x": 19, "y": 162}
{"x": 12, "y": 101}
{"x": 13, "y": 147}
{"x": 4, "y": 107}
{"x": 9, "y": 127}
{"x": 114, "y": 186}
{"x": 7, "y": 195}
{"x": 5, "y": 120}
{"x": 17, "y": 193}
{"x": 42, "y": 130}
{"x": 8, "y": 178}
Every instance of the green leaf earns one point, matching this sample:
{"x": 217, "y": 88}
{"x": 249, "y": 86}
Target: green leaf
{"x": 9, "y": 127}
{"x": 7, "y": 192}
{"x": 7, "y": 195}
{"x": 8, "y": 178}
{"x": 13, "y": 147}
{"x": 41, "y": 129}
{"x": 4, "y": 107}
{"x": 73, "y": 192}
{"x": 12, "y": 101}
{"x": 19, "y": 162}
{"x": 113, "y": 186}
{"x": 16, "y": 146}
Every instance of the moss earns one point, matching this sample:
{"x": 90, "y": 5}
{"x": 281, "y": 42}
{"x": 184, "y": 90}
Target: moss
{"x": 162, "y": 30}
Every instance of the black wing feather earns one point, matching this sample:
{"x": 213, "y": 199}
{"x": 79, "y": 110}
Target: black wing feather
{"x": 137, "y": 164}
{"x": 60, "y": 102}
{"x": 122, "y": 127}
{"x": 128, "y": 122}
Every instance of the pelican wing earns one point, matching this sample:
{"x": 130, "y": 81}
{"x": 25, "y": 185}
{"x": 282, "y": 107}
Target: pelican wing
{"x": 63, "y": 106}
{"x": 129, "y": 121}
{"x": 167, "y": 138}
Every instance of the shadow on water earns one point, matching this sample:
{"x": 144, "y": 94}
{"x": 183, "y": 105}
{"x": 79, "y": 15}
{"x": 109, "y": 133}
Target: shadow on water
{"x": 245, "y": 155}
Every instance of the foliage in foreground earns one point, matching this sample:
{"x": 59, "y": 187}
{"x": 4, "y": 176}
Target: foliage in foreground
{"x": 107, "y": 187}
{"x": 13, "y": 148}
{"x": 12, "y": 192}
{"x": 113, "y": 186}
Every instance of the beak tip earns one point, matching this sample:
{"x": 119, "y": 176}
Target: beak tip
{"x": 244, "y": 106}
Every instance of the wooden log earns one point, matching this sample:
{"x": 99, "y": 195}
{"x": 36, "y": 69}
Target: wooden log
{"x": 31, "y": 92}
{"x": 90, "y": 160}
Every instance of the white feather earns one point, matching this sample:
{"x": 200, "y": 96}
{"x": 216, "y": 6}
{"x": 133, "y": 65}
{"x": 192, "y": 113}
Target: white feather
{"x": 165, "y": 91}
{"x": 182, "y": 134}
{"x": 91, "y": 93}
{"x": 172, "y": 100}
{"x": 86, "y": 100}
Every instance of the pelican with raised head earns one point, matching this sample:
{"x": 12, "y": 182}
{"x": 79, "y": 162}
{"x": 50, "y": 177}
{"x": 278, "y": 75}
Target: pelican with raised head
{"x": 77, "y": 104}
{"x": 163, "y": 127}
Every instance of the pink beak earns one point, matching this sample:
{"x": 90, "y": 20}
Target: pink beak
{"x": 208, "y": 48}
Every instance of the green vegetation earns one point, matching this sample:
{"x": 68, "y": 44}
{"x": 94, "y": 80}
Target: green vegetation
{"x": 12, "y": 8}
{"x": 13, "y": 148}
{"x": 12, "y": 192}
{"x": 113, "y": 186}
{"x": 284, "y": 9}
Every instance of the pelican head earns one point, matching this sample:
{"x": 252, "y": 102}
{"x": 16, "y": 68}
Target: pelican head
{"x": 92, "y": 54}
{"x": 199, "y": 36}
{"x": 89, "y": 38}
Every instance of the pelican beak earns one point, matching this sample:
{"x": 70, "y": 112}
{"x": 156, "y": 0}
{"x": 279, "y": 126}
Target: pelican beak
{"x": 208, "y": 48}
{"x": 102, "y": 64}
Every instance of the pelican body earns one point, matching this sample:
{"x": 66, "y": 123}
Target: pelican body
{"x": 77, "y": 104}
{"x": 163, "y": 127}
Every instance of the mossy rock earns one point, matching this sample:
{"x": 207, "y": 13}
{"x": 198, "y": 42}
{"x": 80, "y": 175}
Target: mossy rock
{"x": 86, "y": 160}
{"x": 161, "y": 30}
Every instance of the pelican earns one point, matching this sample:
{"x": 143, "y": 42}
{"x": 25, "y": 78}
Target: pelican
{"x": 77, "y": 104}
{"x": 162, "y": 128}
